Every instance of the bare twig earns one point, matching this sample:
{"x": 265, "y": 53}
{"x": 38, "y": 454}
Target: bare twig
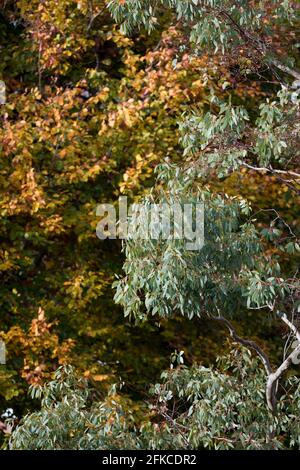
{"x": 272, "y": 170}
{"x": 177, "y": 426}
{"x": 93, "y": 18}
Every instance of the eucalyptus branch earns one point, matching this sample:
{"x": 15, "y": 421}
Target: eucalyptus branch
{"x": 247, "y": 343}
{"x": 259, "y": 45}
{"x": 291, "y": 326}
{"x": 286, "y": 69}
{"x": 272, "y": 170}
{"x": 272, "y": 377}
{"x": 180, "y": 428}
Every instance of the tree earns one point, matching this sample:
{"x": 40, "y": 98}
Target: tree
{"x": 88, "y": 115}
{"x": 193, "y": 408}
{"x": 70, "y": 418}
{"x": 223, "y": 67}
{"x": 231, "y": 272}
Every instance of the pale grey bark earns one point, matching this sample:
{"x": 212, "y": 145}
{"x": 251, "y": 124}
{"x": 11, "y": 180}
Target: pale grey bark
{"x": 272, "y": 376}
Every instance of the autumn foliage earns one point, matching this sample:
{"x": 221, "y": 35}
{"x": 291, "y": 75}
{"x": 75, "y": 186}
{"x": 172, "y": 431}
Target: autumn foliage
{"x": 89, "y": 114}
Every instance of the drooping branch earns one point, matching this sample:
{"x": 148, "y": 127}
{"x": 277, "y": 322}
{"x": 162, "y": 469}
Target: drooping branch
{"x": 272, "y": 170}
{"x": 272, "y": 377}
{"x": 247, "y": 343}
{"x": 291, "y": 183}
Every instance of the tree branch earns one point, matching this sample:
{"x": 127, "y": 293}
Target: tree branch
{"x": 271, "y": 170}
{"x": 247, "y": 343}
{"x": 259, "y": 45}
{"x": 291, "y": 326}
{"x": 93, "y": 16}
{"x": 273, "y": 378}
{"x": 286, "y": 69}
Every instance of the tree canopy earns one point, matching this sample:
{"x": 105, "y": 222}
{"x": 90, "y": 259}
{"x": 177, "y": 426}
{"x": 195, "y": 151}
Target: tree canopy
{"x": 165, "y": 102}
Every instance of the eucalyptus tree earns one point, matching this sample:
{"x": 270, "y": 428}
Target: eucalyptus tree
{"x": 233, "y": 271}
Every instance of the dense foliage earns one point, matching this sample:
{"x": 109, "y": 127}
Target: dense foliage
{"x": 193, "y": 408}
{"x": 88, "y": 114}
{"x": 192, "y": 101}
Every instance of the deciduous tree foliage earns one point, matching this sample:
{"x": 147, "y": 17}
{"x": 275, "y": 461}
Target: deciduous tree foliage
{"x": 90, "y": 112}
